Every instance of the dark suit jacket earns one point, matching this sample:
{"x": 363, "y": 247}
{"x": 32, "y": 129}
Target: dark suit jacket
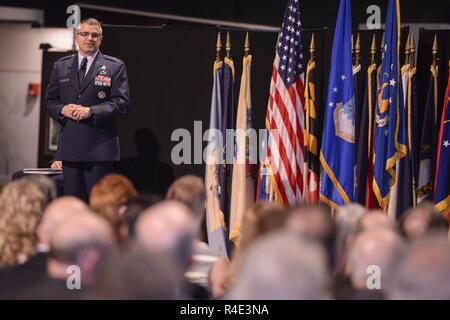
{"x": 52, "y": 289}
{"x": 17, "y": 280}
{"x": 105, "y": 90}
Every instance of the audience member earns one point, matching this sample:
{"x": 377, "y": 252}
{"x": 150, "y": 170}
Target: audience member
{"x": 260, "y": 219}
{"x": 21, "y": 205}
{"x": 190, "y": 190}
{"x": 137, "y": 275}
{"x": 77, "y": 247}
{"x": 421, "y": 220}
{"x": 424, "y": 272}
{"x": 110, "y": 197}
{"x": 281, "y": 266}
{"x": 17, "y": 279}
{"x": 380, "y": 248}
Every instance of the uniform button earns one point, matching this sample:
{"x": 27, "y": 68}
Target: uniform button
{"x": 79, "y": 96}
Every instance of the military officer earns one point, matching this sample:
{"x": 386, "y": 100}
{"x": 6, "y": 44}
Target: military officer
{"x": 86, "y": 93}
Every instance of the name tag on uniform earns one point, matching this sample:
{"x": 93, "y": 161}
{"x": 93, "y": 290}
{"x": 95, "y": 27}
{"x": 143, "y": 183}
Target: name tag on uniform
{"x": 64, "y": 80}
{"x": 102, "y": 80}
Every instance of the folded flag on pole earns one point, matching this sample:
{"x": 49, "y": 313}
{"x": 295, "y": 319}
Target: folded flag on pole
{"x": 442, "y": 177}
{"x": 281, "y": 163}
{"x": 390, "y": 130}
{"x": 214, "y": 180}
{"x": 372, "y": 83}
{"x": 312, "y": 163}
{"x": 338, "y": 138}
{"x": 403, "y": 190}
{"x": 228, "y": 122}
{"x": 429, "y": 134}
{"x": 361, "y": 127}
{"x": 406, "y": 193}
{"x": 242, "y": 187}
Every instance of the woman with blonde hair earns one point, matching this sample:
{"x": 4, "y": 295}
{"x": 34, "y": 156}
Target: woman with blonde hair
{"x": 22, "y": 203}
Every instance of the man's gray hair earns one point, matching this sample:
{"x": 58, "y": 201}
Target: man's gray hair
{"x": 424, "y": 272}
{"x": 91, "y": 21}
{"x": 347, "y": 218}
{"x": 281, "y": 266}
{"x": 381, "y": 248}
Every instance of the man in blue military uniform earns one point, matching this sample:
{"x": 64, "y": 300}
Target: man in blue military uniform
{"x": 86, "y": 92}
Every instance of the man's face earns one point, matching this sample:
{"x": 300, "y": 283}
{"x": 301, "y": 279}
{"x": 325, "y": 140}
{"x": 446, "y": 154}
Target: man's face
{"x": 89, "y": 38}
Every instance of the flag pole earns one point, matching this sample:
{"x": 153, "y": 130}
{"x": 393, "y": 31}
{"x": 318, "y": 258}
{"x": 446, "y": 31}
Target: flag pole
{"x": 228, "y": 45}
{"x": 357, "y": 51}
{"x": 218, "y": 47}
{"x": 246, "y": 45}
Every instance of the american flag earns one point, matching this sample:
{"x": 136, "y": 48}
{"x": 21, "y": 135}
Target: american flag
{"x": 281, "y": 170}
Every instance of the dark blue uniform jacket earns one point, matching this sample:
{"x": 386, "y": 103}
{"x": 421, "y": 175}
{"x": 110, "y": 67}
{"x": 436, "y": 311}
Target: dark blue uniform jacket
{"x": 105, "y": 90}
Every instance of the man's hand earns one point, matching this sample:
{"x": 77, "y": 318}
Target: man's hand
{"x": 68, "y": 110}
{"x": 81, "y": 113}
{"x": 56, "y": 164}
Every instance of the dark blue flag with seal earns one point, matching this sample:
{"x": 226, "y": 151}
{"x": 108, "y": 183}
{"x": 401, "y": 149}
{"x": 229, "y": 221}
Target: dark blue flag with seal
{"x": 390, "y": 129}
{"x": 337, "y": 154}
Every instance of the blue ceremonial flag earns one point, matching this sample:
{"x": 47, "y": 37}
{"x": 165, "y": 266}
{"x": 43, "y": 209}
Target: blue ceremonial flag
{"x": 428, "y": 141}
{"x": 390, "y": 130}
{"x": 337, "y": 154}
{"x": 228, "y": 122}
{"x": 215, "y": 192}
{"x": 442, "y": 178}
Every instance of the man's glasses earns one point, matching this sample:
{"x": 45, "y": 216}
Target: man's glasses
{"x": 94, "y": 35}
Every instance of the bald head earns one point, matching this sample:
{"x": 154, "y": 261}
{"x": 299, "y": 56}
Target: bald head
{"x": 57, "y": 212}
{"x": 424, "y": 272}
{"x": 281, "y": 266}
{"x": 376, "y": 219}
{"x": 165, "y": 227}
{"x": 85, "y": 240}
{"x": 421, "y": 220}
{"x": 83, "y": 228}
{"x": 415, "y": 223}
{"x": 379, "y": 247}
{"x": 310, "y": 221}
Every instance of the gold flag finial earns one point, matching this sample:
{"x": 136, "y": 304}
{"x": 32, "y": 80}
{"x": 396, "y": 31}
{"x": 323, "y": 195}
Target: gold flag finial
{"x": 357, "y": 50}
{"x": 228, "y": 45}
{"x": 246, "y": 45}
{"x": 412, "y": 48}
{"x": 408, "y": 49}
{"x": 373, "y": 50}
{"x": 434, "y": 51}
{"x": 218, "y": 47}
{"x": 312, "y": 47}
{"x": 353, "y": 47}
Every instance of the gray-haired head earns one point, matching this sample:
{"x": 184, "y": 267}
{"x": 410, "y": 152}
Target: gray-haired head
{"x": 281, "y": 266}
{"x": 167, "y": 227}
{"x": 424, "y": 272}
{"x": 347, "y": 218}
{"x": 378, "y": 247}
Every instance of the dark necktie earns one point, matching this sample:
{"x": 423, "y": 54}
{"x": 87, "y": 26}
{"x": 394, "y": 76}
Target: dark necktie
{"x": 82, "y": 71}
